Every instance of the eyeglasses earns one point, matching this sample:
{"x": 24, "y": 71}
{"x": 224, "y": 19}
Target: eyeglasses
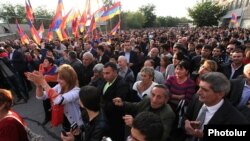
{"x": 230, "y": 48}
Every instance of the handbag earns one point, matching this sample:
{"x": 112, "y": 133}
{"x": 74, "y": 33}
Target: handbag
{"x": 57, "y": 111}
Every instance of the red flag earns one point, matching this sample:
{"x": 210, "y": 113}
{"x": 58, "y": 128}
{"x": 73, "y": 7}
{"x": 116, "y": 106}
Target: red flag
{"x": 75, "y": 24}
{"x": 23, "y": 35}
{"x": 64, "y": 34}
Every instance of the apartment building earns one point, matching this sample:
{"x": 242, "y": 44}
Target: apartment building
{"x": 241, "y": 8}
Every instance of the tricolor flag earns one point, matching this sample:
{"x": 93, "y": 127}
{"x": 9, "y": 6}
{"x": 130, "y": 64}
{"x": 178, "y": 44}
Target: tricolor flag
{"x": 50, "y": 34}
{"x": 98, "y": 14}
{"x": 115, "y": 29}
{"x": 92, "y": 25}
{"x": 23, "y": 35}
{"x": 57, "y": 19}
{"x": 234, "y": 18}
{"x": 34, "y": 33}
{"x": 41, "y": 30}
{"x": 29, "y": 12}
{"x": 114, "y": 10}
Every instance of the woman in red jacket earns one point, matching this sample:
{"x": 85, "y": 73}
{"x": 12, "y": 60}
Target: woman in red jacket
{"x": 11, "y": 124}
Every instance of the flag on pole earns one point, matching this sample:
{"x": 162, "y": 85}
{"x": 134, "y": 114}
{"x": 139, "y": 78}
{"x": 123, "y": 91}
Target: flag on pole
{"x": 23, "y": 35}
{"x": 50, "y": 33}
{"x": 59, "y": 34}
{"x": 92, "y": 25}
{"x": 234, "y": 18}
{"x": 41, "y": 30}
{"x": 29, "y": 12}
{"x": 34, "y": 33}
{"x": 114, "y": 10}
{"x": 116, "y": 28}
{"x": 99, "y": 13}
{"x": 57, "y": 19}
{"x": 84, "y": 16}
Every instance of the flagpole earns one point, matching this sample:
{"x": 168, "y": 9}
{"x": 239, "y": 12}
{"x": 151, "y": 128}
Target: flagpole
{"x": 120, "y": 21}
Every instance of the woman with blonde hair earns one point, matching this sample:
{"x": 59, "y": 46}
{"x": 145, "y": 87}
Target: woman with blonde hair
{"x": 207, "y": 66}
{"x": 64, "y": 93}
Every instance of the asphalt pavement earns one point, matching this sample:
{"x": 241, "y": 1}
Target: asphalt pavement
{"x": 33, "y": 114}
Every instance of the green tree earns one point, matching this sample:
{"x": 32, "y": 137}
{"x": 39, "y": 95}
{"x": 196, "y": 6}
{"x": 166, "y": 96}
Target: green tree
{"x": 133, "y": 20}
{"x": 206, "y": 14}
{"x": 148, "y": 12}
{"x": 10, "y": 12}
{"x": 43, "y": 15}
{"x": 161, "y": 21}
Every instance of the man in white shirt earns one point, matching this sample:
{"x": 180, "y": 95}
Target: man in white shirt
{"x": 213, "y": 88}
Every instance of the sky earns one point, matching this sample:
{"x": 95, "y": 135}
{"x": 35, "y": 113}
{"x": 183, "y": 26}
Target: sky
{"x": 174, "y": 8}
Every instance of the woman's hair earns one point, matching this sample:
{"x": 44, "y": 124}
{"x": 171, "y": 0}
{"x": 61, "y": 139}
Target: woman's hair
{"x": 148, "y": 70}
{"x": 166, "y": 60}
{"x": 184, "y": 64}
{"x": 6, "y": 98}
{"x": 67, "y": 73}
{"x": 51, "y": 60}
{"x": 179, "y": 55}
{"x": 212, "y": 65}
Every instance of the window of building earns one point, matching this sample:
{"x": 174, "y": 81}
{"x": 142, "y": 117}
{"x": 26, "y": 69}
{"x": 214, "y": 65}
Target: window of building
{"x": 240, "y": 3}
{"x": 231, "y": 5}
{"x": 234, "y": 4}
{"x": 246, "y": 3}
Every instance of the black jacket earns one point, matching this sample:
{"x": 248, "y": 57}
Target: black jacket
{"x": 114, "y": 114}
{"x": 223, "y": 116}
{"x": 96, "y": 128}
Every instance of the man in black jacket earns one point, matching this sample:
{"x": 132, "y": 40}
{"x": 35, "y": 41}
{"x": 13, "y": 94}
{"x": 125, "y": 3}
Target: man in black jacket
{"x": 114, "y": 87}
{"x": 211, "y": 106}
{"x": 239, "y": 94}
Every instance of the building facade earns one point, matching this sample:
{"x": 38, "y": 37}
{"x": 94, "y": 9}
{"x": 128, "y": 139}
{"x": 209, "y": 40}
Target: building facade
{"x": 240, "y": 8}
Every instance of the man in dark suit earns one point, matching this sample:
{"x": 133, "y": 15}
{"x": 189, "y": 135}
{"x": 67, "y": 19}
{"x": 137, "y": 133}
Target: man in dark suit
{"x": 88, "y": 47}
{"x": 77, "y": 65}
{"x": 19, "y": 64}
{"x": 210, "y": 104}
{"x": 114, "y": 87}
{"x": 239, "y": 94}
{"x": 130, "y": 55}
{"x": 234, "y": 69}
{"x": 102, "y": 57}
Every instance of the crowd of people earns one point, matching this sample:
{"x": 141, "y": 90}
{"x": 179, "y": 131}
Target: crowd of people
{"x": 147, "y": 85}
